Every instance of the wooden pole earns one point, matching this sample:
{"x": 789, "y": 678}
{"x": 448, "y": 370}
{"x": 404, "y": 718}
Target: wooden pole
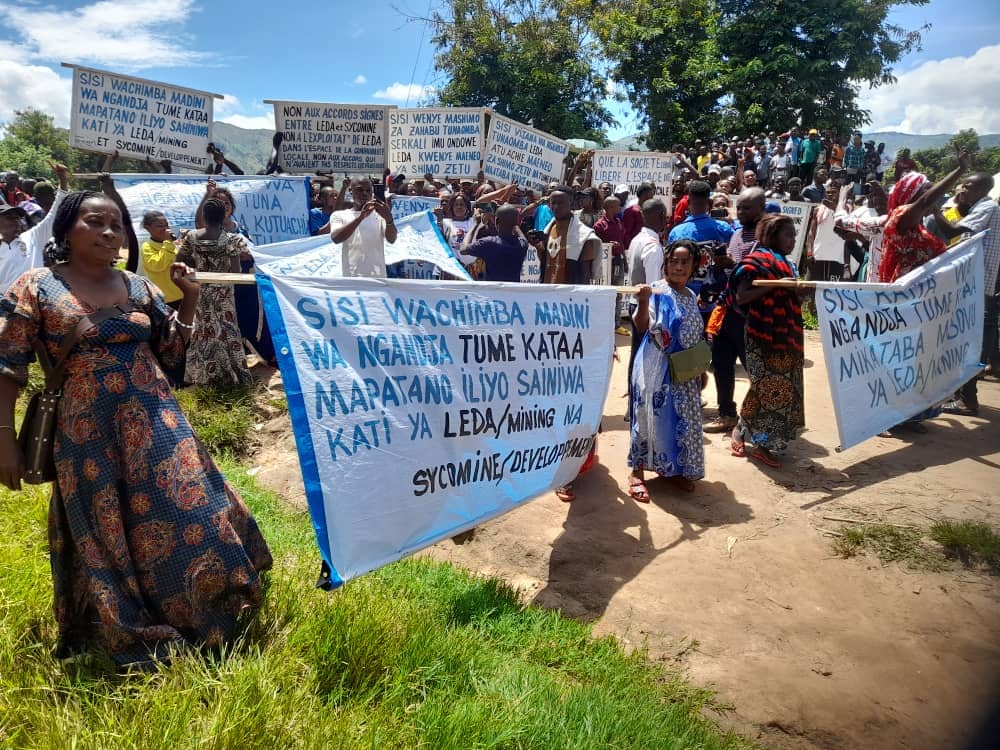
{"x": 229, "y": 279}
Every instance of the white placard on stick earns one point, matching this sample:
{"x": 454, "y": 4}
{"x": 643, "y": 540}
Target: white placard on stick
{"x": 633, "y": 168}
{"x": 800, "y": 211}
{"x": 447, "y": 142}
{"x": 348, "y": 138}
{"x": 517, "y": 152}
{"x": 140, "y": 119}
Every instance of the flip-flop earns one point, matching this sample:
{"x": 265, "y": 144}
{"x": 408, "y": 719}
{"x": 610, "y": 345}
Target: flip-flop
{"x": 758, "y": 454}
{"x": 637, "y": 490}
{"x": 737, "y": 447}
{"x": 566, "y": 494}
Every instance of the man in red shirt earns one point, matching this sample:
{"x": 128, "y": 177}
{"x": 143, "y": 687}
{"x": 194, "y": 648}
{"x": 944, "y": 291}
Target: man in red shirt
{"x": 611, "y": 229}
{"x": 632, "y": 216}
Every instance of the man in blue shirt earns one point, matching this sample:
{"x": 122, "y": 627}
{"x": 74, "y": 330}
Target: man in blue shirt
{"x": 700, "y": 227}
{"x": 329, "y": 201}
{"x": 503, "y": 253}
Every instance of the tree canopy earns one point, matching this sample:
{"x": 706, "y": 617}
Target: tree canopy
{"x": 31, "y": 143}
{"x": 937, "y": 162}
{"x": 691, "y": 68}
{"x": 531, "y": 60}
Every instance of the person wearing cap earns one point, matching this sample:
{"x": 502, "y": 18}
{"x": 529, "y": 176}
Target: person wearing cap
{"x": 809, "y": 155}
{"x": 632, "y": 216}
{"x": 21, "y": 250}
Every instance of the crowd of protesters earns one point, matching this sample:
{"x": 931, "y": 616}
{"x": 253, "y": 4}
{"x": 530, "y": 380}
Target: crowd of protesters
{"x": 691, "y": 251}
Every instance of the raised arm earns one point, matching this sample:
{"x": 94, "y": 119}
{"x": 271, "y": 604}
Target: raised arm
{"x": 915, "y": 212}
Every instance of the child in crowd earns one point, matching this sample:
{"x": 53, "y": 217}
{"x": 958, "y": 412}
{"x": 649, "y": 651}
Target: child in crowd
{"x": 158, "y": 254}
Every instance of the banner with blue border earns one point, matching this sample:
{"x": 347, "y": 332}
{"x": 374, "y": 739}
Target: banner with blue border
{"x": 422, "y": 409}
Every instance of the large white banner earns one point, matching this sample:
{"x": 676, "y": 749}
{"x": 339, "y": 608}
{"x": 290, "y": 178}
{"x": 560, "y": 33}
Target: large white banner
{"x": 446, "y": 142}
{"x": 894, "y": 350}
{"x": 515, "y": 152}
{"x": 140, "y": 119}
{"x": 418, "y": 238}
{"x": 269, "y": 209}
{"x": 634, "y": 167}
{"x": 350, "y": 138}
{"x": 422, "y": 409}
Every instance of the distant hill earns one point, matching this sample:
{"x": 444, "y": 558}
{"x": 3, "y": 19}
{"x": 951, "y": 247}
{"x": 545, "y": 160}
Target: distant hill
{"x": 893, "y": 141}
{"x": 249, "y": 149}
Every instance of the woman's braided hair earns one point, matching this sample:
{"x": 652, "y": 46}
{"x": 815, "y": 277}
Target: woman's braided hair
{"x": 56, "y": 250}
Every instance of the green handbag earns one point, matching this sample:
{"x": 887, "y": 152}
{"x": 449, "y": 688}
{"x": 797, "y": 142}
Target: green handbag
{"x": 688, "y": 364}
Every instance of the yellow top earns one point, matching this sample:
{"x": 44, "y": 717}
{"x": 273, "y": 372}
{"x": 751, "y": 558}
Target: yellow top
{"x": 157, "y": 257}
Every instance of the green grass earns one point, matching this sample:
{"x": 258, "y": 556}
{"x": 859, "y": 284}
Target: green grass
{"x": 809, "y": 320}
{"x": 889, "y": 544}
{"x": 417, "y": 654}
{"x": 222, "y": 417}
{"x": 974, "y": 544}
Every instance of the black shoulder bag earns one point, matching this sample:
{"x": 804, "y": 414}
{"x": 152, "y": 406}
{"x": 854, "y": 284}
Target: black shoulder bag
{"x": 38, "y": 428}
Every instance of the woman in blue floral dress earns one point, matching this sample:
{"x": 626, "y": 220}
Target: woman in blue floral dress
{"x": 150, "y": 547}
{"x": 666, "y": 416}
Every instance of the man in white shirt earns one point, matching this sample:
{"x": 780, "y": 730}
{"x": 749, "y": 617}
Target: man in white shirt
{"x": 645, "y": 264}
{"x": 21, "y": 250}
{"x": 362, "y": 231}
{"x": 983, "y": 213}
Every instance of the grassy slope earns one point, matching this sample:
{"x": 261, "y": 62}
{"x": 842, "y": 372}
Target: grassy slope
{"x": 418, "y": 654}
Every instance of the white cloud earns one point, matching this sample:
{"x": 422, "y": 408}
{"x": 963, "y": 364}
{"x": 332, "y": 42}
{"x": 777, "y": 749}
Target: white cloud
{"x": 360, "y": 81}
{"x": 250, "y": 122}
{"x": 941, "y": 96}
{"x": 124, "y": 34}
{"x": 257, "y": 116}
{"x": 35, "y": 86}
{"x": 401, "y": 92}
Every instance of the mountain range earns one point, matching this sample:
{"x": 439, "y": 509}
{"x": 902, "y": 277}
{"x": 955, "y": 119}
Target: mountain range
{"x": 250, "y": 149}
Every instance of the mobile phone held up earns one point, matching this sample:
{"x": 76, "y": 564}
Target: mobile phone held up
{"x": 379, "y": 191}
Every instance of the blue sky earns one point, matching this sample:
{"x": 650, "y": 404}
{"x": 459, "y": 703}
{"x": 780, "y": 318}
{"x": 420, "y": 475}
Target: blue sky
{"x": 370, "y": 52}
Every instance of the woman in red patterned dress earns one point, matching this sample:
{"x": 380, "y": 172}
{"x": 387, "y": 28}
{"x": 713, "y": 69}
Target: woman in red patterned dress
{"x": 150, "y": 547}
{"x": 906, "y": 243}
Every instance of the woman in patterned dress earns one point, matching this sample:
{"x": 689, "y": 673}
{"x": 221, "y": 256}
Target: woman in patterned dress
{"x": 773, "y": 410}
{"x": 906, "y": 243}
{"x": 150, "y": 547}
{"x": 215, "y": 356}
{"x": 666, "y": 416}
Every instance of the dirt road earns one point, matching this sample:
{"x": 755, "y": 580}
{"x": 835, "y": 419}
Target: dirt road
{"x": 737, "y": 583}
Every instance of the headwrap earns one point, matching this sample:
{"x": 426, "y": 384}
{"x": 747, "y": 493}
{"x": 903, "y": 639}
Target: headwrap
{"x": 905, "y": 189}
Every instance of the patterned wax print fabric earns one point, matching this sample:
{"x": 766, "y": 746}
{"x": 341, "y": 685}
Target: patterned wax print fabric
{"x": 150, "y": 547}
{"x": 773, "y": 411}
{"x": 215, "y": 355}
{"x": 902, "y": 251}
{"x": 665, "y": 416}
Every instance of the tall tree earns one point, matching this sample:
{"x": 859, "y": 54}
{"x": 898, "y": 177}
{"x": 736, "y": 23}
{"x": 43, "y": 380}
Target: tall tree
{"x": 804, "y": 61}
{"x": 665, "y": 56}
{"x": 31, "y": 142}
{"x": 531, "y": 60}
